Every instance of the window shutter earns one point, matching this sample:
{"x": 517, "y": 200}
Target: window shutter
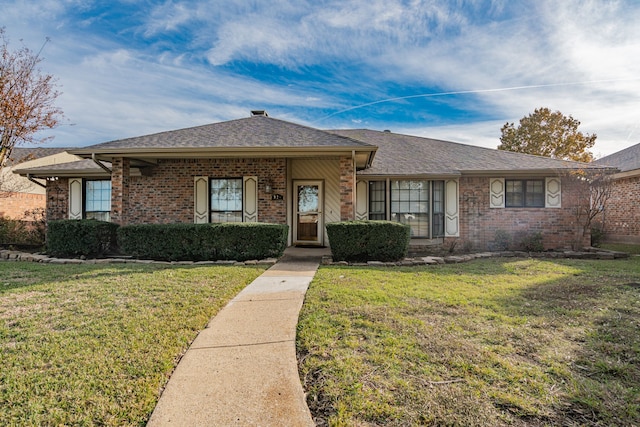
{"x": 75, "y": 198}
{"x": 200, "y": 199}
{"x": 362, "y": 205}
{"x": 451, "y": 220}
{"x": 497, "y": 190}
{"x": 553, "y": 195}
{"x": 250, "y": 202}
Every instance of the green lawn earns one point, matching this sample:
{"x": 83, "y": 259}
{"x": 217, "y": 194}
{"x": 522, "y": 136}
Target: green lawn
{"x": 486, "y": 343}
{"x": 94, "y": 345}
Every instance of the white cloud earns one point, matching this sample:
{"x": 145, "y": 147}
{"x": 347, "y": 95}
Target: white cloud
{"x": 113, "y": 88}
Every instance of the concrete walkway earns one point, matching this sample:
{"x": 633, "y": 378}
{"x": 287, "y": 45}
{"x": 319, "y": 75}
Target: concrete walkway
{"x": 242, "y": 369}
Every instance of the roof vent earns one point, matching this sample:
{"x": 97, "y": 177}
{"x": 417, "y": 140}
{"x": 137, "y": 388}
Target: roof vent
{"x": 259, "y": 113}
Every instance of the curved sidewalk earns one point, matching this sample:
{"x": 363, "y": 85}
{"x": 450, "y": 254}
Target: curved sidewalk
{"x": 242, "y": 369}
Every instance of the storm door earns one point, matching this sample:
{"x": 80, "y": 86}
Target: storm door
{"x": 308, "y": 220}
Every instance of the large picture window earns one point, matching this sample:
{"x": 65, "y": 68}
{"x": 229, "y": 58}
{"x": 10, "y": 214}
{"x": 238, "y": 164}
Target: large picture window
{"x": 410, "y": 205}
{"x": 97, "y": 200}
{"x": 524, "y": 193}
{"x": 420, "y": 204}
{"x": 226, "y": 200}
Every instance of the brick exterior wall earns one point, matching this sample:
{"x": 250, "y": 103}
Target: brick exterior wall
{"x": 347, "y": 185}
{"x": 479, "y": 223}
{"x": 622, "y": 213}
{"x": 120, "y": 169}
{"x": 58, "y": 199}
{"x": 167, "y": 195}
{"x": 13, "y": 205}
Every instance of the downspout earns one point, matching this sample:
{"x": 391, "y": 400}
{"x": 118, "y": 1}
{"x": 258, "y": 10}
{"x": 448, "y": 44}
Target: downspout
{"x": 30, "y": 178}
{"x": 99, "y": 163}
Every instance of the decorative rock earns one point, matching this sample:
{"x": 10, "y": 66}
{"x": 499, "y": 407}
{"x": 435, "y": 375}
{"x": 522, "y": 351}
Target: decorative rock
{"x": 267, "y": 261}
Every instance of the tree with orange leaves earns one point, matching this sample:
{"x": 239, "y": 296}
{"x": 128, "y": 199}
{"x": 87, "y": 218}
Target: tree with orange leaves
{"x": 26, "y": 98}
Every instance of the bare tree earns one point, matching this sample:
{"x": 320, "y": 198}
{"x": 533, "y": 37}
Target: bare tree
{"x": 590, "y": 193}
{"x": 26, "y": 98}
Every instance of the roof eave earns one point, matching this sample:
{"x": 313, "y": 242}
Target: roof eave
{"x": 70, "y": 173}
{"x": 147, "y": 154}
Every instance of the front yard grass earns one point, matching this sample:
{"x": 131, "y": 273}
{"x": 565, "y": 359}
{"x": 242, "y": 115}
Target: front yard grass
{"x": 94, "y": 345}
{"x": 492, "y": 342}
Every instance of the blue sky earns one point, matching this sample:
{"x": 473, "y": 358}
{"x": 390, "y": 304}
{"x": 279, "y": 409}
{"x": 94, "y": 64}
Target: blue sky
{"x": 453, "y": 70}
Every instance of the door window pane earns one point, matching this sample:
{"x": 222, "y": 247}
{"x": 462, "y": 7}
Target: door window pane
{"x": 308, "y": 198}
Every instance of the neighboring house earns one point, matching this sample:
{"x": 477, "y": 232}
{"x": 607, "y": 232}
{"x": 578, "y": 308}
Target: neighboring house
{"x": 263, "y": 169}
{"x": 19, "y": 194}
{"x": 621, "y": 221}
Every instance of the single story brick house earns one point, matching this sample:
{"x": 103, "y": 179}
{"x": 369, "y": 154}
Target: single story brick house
{"x": 263, "y": 169}
{"x": 621, "y": 218}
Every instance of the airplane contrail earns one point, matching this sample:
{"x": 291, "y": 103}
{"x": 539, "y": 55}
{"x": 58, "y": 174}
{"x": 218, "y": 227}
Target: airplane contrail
{"x": 464, "y": 92}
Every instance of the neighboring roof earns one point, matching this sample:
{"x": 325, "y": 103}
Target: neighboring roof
{"x": 412, "y": 155}
{"x": 625, "y": 160}
{"x": 20, "y": 154}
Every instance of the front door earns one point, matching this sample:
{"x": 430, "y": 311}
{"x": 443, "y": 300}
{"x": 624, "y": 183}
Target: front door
{"x": 308, "y": 220}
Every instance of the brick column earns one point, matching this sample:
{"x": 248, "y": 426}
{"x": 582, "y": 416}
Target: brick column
{"x": 120, "y": 168}
{"x": 347, "y": 184}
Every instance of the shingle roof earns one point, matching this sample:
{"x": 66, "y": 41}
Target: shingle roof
{"x": 411, "y": 155}
{"x": 625, "y": 160}
{"x": 20, "y": 154}
{"x": 251, "y": 132}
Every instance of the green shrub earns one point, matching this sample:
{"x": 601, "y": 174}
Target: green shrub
{"x": 203, "y": 242}
{"x": 243, "y": 241}
{"x": 85, "y": 237}
{"x": 360, "y": 241}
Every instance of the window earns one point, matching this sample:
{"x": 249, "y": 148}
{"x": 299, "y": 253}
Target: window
{"x": 410, "y": 205}
{"x": 97, "y": 200}
{"x": 438, "y": 208}
{"x": 524, "y": 193}
{"x": 420, "y": 204}
{"x": 226, "y": 200}
{"x": 377, "y": 197}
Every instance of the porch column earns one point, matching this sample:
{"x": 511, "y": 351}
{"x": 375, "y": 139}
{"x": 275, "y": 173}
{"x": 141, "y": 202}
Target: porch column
{"x": 347, "y": 184}
{"x": 120, "y": 171}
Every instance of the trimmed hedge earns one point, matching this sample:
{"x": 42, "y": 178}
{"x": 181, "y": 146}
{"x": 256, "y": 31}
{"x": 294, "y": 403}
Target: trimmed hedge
{"x": 203, "y": 242}
{"x": 361, "y": 241}
{"x": 84, "y": 237}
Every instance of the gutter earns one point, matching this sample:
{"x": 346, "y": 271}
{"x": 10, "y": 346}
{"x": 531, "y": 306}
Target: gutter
{"x": 32, "y": 179}
{"x": 99, "y": 163}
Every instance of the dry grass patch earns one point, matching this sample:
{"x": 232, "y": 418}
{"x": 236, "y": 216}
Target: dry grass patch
{"x": 492, "y": 342}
